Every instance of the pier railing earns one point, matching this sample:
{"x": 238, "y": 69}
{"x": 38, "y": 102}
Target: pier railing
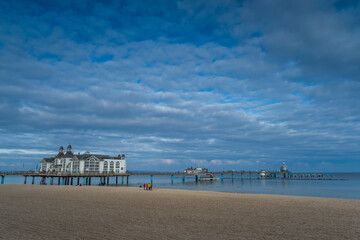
{"x": 68, "y": 177}
{"x": 129, "y": 173}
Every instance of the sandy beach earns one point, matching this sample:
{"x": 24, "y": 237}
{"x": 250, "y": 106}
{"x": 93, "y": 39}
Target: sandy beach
{"x": 92, "y": 212}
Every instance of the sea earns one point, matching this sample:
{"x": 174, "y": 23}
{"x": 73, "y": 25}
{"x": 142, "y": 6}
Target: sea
{"x": 333, "y": 185}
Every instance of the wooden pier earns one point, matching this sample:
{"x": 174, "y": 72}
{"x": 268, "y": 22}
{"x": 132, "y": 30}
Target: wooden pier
{"x": 74, "y": 178}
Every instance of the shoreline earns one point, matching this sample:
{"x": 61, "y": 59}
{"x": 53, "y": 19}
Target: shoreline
{"x": 200, "y": 190}
{"x": 34, "y": 211}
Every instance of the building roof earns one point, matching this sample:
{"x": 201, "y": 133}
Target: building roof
{"x": 60, "y": 155}
{"x": 68, "y": 154}
{"x": 87, "y": 155}
{"x": 284, "y": 168}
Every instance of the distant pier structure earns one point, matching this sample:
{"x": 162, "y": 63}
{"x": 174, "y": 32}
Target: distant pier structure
{"x": 85, "y": 177}
{"x": 286, "y": 174}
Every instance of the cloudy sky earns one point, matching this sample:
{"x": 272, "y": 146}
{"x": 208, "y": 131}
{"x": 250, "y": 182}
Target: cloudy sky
{"x": 172, "y": 84}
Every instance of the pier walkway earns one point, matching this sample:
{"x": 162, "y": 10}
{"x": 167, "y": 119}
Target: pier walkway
{"x": 66, "y": 178}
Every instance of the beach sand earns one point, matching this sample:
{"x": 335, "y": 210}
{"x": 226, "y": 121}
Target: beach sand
{"x": 93, "y": 212}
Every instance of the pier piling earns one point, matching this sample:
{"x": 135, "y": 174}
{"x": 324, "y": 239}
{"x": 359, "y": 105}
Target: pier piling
{"x": 68, "y": 178}
{"x": 197, "y": 178}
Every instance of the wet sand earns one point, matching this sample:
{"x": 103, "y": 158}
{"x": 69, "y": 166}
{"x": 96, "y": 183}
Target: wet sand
{"x": 93, "y": 212}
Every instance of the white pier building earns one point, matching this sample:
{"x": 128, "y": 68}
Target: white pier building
{"x": 83, "y": 163}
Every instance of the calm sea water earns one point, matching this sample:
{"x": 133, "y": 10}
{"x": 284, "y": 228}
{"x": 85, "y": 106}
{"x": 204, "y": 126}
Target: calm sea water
{"x": 347, "y": 187}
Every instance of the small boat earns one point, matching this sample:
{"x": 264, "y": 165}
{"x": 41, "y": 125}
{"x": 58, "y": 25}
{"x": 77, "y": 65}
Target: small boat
{"x": 208, "y": 177}
{"x": 263, "y": 173}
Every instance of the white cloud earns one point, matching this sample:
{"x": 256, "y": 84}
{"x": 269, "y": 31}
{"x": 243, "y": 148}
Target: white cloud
{"x": 216, "y": 162}
{"x": 25, "y": 151}
{"x": 240, "y": 162}
{"x": 168, "y": 161}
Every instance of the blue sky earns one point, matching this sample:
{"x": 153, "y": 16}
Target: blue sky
{"x": 172, "y": 84}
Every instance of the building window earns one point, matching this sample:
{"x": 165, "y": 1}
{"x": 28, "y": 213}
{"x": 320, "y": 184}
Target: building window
{"x": 43, "y": 166}
{"x": 75, "y": 167}
{"x": 111, "y": 166}
{"x": 122, "y": 168}
{"x": 106, "y": 166}
{"x": 117, "y": 164}
{"x": 91, "y": 165}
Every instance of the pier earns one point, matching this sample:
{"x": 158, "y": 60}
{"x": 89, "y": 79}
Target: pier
{"x": 75, "y": 178}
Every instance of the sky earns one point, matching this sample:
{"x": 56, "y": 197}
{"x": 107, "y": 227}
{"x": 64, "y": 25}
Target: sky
{"x": 226, "y": 85}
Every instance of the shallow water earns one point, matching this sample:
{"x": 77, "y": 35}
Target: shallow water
{"x": 347, "y": 187}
